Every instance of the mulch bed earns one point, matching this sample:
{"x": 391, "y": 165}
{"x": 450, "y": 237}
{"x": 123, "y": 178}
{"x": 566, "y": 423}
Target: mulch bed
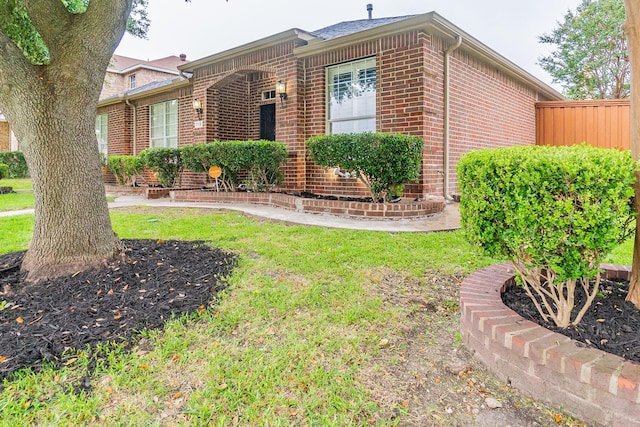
{"x": 611, "y": 324}
{"x": 154, "y": 281}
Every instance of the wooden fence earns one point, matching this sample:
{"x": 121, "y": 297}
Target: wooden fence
{"x": 601, "y": 123}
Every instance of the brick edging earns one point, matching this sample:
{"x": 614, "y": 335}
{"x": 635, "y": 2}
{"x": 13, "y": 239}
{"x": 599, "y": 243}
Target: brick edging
{"x": 590, "y": 384}
{"x": 391, "y": 211}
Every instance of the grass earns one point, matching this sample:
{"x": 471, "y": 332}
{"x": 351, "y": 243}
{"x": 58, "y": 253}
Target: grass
{"x": 16, "y": 201}
{"x": 21, "y": 200}
{"x": 285, "y": 345}
{"x": 17, "y": 183}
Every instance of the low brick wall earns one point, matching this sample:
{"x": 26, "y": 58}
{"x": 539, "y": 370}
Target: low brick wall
{"x": 590, "y": 384}
{"x": 402, "y": 210}
{"x": 122, "y": 189}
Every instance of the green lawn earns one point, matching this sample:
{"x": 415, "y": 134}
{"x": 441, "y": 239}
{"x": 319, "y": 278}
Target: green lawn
{"x": 289, "y": 342}
{"x": 15, "y": 201}
{"x": 17, "y": 183}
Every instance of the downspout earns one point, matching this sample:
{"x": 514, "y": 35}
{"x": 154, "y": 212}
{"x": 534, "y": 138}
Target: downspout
{"x": 135, "y": 127}
{"x": 447, "y": 78}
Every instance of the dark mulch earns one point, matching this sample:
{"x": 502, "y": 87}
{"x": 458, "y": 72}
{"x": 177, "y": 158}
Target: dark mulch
{"x": 154, "y": 281}
{"x": 308, "y": 195}
{"x": 611, "y": 323}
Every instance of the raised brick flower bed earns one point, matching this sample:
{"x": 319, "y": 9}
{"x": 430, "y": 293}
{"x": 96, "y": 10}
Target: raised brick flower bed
{"x": 592, "y": 385}
{"x": 402, "y": 210}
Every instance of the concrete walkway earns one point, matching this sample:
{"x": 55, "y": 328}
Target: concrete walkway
{"x": 448, "y": 220}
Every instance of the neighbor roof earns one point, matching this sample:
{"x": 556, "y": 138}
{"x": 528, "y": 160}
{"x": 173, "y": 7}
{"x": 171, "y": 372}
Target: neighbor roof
{"x": 124, "y": 64}
{"x": 350, "y": 27}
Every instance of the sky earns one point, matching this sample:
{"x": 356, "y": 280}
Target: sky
{"x": 204, "y": 27}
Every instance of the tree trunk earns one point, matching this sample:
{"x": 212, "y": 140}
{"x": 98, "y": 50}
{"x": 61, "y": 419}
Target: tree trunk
{"x": 72, "y": 229}
{"x": 52, "y": 109}
{"x": 632, "y": 9}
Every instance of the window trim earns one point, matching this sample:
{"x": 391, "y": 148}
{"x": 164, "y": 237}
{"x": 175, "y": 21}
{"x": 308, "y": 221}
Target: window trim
{"x": 132, "y": 81}
{"x": 328, "y": 83}
{"x": 165, "y": 136}
{"x": 103, "y": 142}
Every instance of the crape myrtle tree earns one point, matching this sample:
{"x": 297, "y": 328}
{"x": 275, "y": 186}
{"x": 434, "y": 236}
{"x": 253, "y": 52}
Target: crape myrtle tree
{"x": 53, "y": 59}
{"x": 591, "y": 58}
{"x": 632, "y": 30}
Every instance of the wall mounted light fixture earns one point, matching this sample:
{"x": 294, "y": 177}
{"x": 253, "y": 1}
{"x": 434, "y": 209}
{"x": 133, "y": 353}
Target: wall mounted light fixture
{"x": 197, "y": 106}
{"x": 281, "y": 89}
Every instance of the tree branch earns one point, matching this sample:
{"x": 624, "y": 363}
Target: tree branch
{"x": 14, "y": 67}
{"x": 107, "y": 18}
{"x": 50, "y": 17}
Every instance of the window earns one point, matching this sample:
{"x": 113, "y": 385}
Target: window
{"x": 132, "y": 81}
{"x": 163, "y": 124}
{"x": 351, "y": 97}
{"x": 102, "y": 124}
{"x": 269, "y": 94}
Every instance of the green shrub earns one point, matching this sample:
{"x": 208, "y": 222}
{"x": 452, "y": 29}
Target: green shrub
{"x": 555, "y": 212}
{"x": 261, "y": 160}
{"x": 125, "y": 168}
{"x": 16, "y": 162}
{"x": 4, "y": 171}
{"x": 166, "y": 162}
{"x": 382, "y": 161}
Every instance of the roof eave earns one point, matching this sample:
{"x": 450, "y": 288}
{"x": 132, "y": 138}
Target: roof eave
{"x": 283, "y": 37}
{"x": 146, "y": 67}
{"x": 122, "y": 97}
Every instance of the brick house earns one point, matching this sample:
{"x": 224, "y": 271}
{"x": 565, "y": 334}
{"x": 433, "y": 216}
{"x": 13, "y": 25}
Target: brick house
{"x": 8, "y": 140}
{"x": 418, "y": 75}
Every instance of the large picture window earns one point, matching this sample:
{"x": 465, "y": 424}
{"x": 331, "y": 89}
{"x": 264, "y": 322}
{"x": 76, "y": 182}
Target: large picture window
{"x": 351, "y": 97}
{"x": 163, "y": 123}
{"x": 102, "y": 126}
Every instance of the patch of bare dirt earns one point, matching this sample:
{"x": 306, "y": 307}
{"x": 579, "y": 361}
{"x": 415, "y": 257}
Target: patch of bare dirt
{"x": 423, "y": 376}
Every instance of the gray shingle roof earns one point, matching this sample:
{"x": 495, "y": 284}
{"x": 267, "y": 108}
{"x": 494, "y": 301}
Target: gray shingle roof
{"x": 350, "y": 27}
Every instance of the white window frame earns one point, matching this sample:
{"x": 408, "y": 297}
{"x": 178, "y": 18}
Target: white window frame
{"x": 102, "y": 133}
{"x": 356, "y": 83}
{"x": 132, "y": 81}
{"x": 163, "y": 124}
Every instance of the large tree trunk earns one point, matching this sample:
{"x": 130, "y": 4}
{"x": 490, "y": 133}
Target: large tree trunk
{"x": 52, "y": 111}
{"x": 632, "y": 9}
{"x": 72, "y": 228}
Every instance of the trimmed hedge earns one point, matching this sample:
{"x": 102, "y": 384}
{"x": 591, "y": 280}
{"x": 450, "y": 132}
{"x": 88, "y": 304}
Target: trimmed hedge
{"x": 16, "y": 162}
{"x": 125, "y": 168}
{"x": 384, "y": 162}
{"x": 166, "y": 162}
{"x": 4, "y": 171}
{"x": 261, "y": 161}
{"x": 553, "y": 211}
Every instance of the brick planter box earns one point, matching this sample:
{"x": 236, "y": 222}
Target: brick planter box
{"x": 592, "y": 385}
{"x": 402, "y": 210}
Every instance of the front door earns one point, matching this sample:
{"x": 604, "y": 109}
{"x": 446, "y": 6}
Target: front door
{"x": 268, "y": 122}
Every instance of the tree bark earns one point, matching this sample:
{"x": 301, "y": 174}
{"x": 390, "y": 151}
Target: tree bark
{"x": 632, "y": 9}
{"x": 52, "y": 111}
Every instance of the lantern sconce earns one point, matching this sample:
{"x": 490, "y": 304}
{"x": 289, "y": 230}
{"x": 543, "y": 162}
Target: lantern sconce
{"x": 281, "y": 89}
{"x": 197, "y": 106}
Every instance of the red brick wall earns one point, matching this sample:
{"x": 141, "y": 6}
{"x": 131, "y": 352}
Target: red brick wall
{"x": 119, "y": 130}
{"x": 488, "y": 109}
{"x": 258, "y": 71}
{"x": 5, "y": 137}
{"x": 402, "y": 104}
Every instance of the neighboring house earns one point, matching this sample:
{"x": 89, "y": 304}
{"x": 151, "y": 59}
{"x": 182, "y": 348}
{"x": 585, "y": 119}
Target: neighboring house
{"x": 126, "y": 73}
{"x": 8, "y": 141}
{"x": 418, "y": 75}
